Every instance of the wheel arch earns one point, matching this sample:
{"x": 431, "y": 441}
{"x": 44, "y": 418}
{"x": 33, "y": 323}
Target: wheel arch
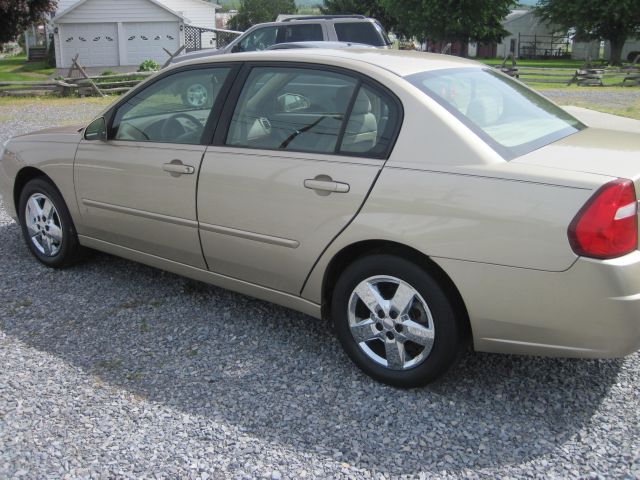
{"x": 350, "y": 253}
{"x": 25, "y": 175}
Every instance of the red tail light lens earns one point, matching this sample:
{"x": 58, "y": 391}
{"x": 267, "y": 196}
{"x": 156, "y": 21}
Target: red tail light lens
{"x": 607, "y": 225}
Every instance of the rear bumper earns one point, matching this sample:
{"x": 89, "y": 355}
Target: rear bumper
{"x": 590, "y": 310}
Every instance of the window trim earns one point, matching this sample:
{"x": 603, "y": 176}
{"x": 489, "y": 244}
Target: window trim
{"x": 215, "y": 113}
{"x": 224, "y": 124}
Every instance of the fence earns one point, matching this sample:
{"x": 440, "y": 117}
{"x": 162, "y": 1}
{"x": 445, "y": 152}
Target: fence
{"x": 104, "y": 84}
{"x": 543, "y": 46}
{"x": 585, "y": 76}
{"x": 195, "y": 38}
{"x": 119, "y": 83}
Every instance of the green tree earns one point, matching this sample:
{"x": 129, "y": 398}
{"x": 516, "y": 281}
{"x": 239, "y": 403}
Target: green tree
{"x": 251, "y": 12}
{"x": 452, "y": 20}
{"x": 17, "y": 15}
{"x": 613, "y": 20}
{"x": 368, "y": 8}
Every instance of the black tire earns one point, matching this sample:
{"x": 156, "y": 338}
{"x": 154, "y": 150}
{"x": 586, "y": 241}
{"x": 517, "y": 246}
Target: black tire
{"x": 447, "y": 326}
{"x": 69, "y": 249}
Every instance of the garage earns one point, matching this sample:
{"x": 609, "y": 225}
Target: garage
{"x": 96, "y": 43}
{"x": 116, "y": 34}
{"x": 146, "y": 40}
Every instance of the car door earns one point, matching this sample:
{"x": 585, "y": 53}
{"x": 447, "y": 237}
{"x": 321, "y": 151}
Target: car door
{"x": 302, "y": 148}
{"x": 137, "y": 189}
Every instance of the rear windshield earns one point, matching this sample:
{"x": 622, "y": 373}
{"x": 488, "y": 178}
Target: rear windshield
{"x": 368, "y": 33}
{"x": 508, "y": 116}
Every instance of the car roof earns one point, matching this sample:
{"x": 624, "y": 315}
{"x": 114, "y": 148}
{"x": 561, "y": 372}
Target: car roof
{"x": 296, "y": 19}
{"x": 318, "y": 44}
{"x": 399, "y": 62}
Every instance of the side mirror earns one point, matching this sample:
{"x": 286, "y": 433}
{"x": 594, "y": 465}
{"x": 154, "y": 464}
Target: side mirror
{"x": 97, "y": 130}
{"x": 293, "y": 102}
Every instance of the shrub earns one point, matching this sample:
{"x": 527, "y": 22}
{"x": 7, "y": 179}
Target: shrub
{"x": 149, "y": 66}
{"x": 107, "y": 73}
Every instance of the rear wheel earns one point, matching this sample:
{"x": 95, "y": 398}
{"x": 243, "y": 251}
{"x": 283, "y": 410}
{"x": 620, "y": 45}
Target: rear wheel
{"x": 46, "y": 224}
{"x": 395, "y": 321}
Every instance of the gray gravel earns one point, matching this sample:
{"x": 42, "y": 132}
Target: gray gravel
{"x": 111, "y": 369}
{"x": 601, "y": 97}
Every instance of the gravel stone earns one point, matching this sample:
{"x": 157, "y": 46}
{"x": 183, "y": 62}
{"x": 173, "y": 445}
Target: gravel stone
{"x": 111, "y": 369}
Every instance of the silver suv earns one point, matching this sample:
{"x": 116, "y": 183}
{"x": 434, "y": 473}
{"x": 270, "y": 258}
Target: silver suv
{"x": 325, "y": 28}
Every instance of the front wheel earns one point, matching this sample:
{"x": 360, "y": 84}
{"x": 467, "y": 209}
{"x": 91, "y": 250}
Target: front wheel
{"x": 395, "y": 321}
{"x": 46, "y": 224}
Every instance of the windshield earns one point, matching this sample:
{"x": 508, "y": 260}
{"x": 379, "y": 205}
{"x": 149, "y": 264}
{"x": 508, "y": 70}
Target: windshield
{"x": 508, "y": 116}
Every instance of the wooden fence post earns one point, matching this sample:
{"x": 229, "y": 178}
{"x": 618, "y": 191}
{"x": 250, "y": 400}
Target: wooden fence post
{"x": 172, "y": 55}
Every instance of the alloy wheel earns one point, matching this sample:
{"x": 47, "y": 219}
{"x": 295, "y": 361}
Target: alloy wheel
{"x": 391, "y": 322}
{"x": 43, "y": 224}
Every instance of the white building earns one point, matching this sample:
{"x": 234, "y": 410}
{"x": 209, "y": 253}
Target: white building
{"x": 585, "y": 50}
{"x": 528, "y": 35}
{"x": 117, "y": 34}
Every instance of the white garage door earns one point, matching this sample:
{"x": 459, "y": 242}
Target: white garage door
{"x": 97, "y": 44}
{"x": 145, "y": 41}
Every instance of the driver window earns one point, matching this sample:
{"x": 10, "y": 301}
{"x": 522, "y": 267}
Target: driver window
{"x": 174, "y": 109}
{"x": 291, "y": 109}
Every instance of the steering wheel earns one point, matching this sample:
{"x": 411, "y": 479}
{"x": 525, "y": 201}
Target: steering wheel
{"x": 173, "y": 129}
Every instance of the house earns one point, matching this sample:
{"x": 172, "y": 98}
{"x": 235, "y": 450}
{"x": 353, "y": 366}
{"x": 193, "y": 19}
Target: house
{"x": 591, "y": 50}
{"x": 530, "y": 37}
{"x": 121, "y": 34}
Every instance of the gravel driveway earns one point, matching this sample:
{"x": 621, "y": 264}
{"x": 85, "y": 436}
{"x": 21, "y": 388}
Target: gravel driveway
{"x": 111, "y": 369}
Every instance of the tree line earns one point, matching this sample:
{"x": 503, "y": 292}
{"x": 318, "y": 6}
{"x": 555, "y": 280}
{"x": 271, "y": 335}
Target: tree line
{"x": 467, "y": 21}
{"x": 445, "y": 21}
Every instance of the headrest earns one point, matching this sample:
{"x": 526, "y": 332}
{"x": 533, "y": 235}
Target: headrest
{"x": 362, "y": 105}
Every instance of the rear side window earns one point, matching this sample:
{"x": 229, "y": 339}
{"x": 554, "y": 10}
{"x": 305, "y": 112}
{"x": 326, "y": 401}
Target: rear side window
{"x": 300, "y": 33}
{"x": 367, "y": 33}
{"x": 372, "y": 124}
{"x": 309, "y": 110}
{"x": 263, "y": 38}
{"x": 291, "y": 109}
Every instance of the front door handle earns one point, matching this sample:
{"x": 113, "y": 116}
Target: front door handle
{"x": 177, "y": 168}
{"x": 322, "y": 183}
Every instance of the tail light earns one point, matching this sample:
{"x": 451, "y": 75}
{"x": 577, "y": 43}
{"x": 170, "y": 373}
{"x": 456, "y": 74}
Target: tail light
{"x": 607, "y": 225}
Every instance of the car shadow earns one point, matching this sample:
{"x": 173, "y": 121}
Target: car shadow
{"x": 281, "y": 376}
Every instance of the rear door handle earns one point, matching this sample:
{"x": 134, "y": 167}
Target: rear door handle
{"x": 177, "y": 168}
{"x": 326, "y": 185}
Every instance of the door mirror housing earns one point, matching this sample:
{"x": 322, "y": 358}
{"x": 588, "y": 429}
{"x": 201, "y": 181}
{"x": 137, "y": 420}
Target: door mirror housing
{"x": 293, "y": 102}
{"x": 97, "y": 130}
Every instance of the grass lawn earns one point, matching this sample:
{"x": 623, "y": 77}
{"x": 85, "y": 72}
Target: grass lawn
{"x": 16, "y": 68}
{"x": 56, "y": 101}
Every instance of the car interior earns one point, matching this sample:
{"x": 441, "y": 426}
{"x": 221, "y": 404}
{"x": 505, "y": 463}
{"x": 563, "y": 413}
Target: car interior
{"x": 173, "y": 110}
{"x": 279, "y": 109}
{"x": 305, "y": 112}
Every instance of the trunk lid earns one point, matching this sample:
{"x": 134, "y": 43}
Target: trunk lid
{"x": 611, "y": 153}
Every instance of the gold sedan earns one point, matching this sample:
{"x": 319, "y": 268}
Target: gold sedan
{"x": 421, "y": 202}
